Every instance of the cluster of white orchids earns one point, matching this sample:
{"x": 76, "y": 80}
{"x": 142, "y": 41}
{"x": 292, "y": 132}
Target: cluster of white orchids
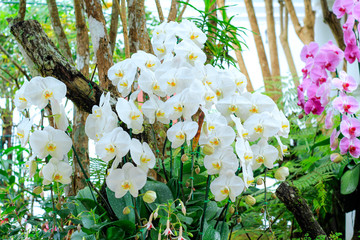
{"x": 237, "y": 126}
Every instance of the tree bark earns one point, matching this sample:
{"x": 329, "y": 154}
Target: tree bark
{"x": 59, "y": 31}
{"x": 80, "y": 140}
{"x": 133, "y": 33}
{"x": 122, "y": 12}
{"x": 274, "y": 56}
{"x": 173, "y": 10}
{"x": 306, "y": 32}
{"x": 22, "y": 10}
{"x": 265, "y": 70}
{"x": 301, "y": 210}
{"x": 284, "y": 23}
{"x": 114, "y": 24}
{"x": 159, "y": 9}
{"x": 101, "y": 42}
{"x": 211, "y": 36}
{"x": 239, "y": 57}
{"x": 49, "y": 62}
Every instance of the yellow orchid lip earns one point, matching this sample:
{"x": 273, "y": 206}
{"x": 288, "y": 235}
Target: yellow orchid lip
{"x": 58, "y": 177}
{"x": 126, "y": 185}
{"x": 22, "y": 99}
{"x": 20, "y": 135}
{"x": 225, "y": 191}
{"x": 48, "y": 94}
{"x": 217, "y": 165}
{"x": 119, "y": 74}
{"x": 145, "y": 159}
{"x": 110, "y": 149}
{"x": 180, "y": 136}
{"x": 51, "y": 147}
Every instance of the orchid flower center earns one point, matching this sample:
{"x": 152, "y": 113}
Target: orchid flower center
{"x": 119, "y": 74}
{"x": 110, "y": 149}
{"x": 156, "y": 87}
{"x": 126, "y": 185}
{"x": 285, "y": 126}
{"x": 134, "y": 116}
{"x": 259, "y": 129}
{"x": 48, "y": 94}
{"x": 50, "y": 147}
{"x": 248, "y": 157}
{"x": 239, "y": 82}
{"x": 217, "y": 165}
{"x": 162, "y": 49}
{"x": 180, "y": 136}
{"x": 352, "y": 149}
{"x": 260, "y": 159}
{"x": 347, "y": 107}
{"x": 22, "y": 99}
{"x": 172, "y": 83}
{"x": 58, "y": 177}
{"x": 254, "y": 109}
{"x": 149, "y": 64}
{"x": 225, "y": 190}
{"x": 209, "y": 98}
{"x": 215, "y": 141}
{"x": 245, "y": 134}
{"x": 144, "y": 159}
{"x": 194, "y": 36}
{"x": 160, "y": 113}
{"x": 124, "y": 83}
{"x": 346, "y": 86}
{"x": 178, "y": 108}
{"x": 233, "y": 108}
{"x": 352, "y": 130}
{"x": 192, "y": 57}
{"x": 20, "y": 135}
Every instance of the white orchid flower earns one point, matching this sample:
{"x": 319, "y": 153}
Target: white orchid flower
{"x": 129, "y": 113}
{"x": 164, "y": 32}
{"x": 31, "y": 166}
{"x": 23, "y": 130}
{"x": 122, "y": 75}
{"x": 220, "y": 137}
{"x": 142, "y": 154}
{"x": 189, "y": 31}
{"x": 283, "y": 149}
{"x": 184, "y": 104}
{"x": 258, "y": 103}
{"x": 264, "y": 154}
{"x": 227, "y": 185}
{"x": 223, "y": 84}
{"x": 209, "y": 98}
{"x": 57, "y": 171}
{"x": 244, "y": 152}
{"x": 248, "y": 175}
{"x": 113, "y": 144}
{"x": 60, "y": 118}
{"x": 50, "y": 141}
{"x": 145, "y": 61}
{"x": 21, "y": 98}
{"x": 164, "y": 49}
{"x": 240, "y": 80}
{"x": 181, "y": 131}
{"x": 150, "y": 85}
{"x": 40, "y": 90}
{"x": 241, "y": 131}
{"x": 102, "y": 120}
{"x": 232, "y": 104}
{"x": 190, "y": 53}
{"x": 174, "y": 80}
{"x": 128, "y": 178}
{"x": 222, "y": 160}
{"x": 261, "y": 125}
{"x": 154, "y": 109}
{"x": 285, "y": 124}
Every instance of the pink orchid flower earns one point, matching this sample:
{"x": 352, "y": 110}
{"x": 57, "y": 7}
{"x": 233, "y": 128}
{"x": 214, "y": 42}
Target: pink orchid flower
{"x": 350, "y": 127}
{"x": 309, "y": 51}
{"x": 314, "y": 106}
{"x": 352, "y": 53}
{"x": 341, "y": 7}
{"x": 334, "y": 141}
{"x": 345, "y": 83}
{"x": 346, "y": 104}
{"x": 329, "y": 119}
{"x": 349, "y": 24}
{"x": 350, "y": 144}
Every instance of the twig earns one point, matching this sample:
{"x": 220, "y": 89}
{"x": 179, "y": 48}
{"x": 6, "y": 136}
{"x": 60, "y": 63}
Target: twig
{"x": 182, "y": 11}
{"x": 15, "y": 63}
{"x": 11, "y": 76}
{"x": 122, "y": 12}
{"x": 158, "y": 6}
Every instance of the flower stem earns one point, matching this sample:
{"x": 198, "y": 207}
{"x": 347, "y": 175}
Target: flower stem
{"x": 205, "y": 206}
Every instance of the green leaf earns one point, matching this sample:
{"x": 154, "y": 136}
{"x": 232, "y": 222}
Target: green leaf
{"x": 321, "y": 143}
{"x": 350, "y": 180}
{"x": 163, "y": 193}
{"x": 211, "y": 210}
{"x": 211, "y": 234}
{"x": 118, "y": 205}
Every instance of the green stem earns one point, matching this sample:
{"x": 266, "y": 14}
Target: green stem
{"x": 205, "y": 206}
{"x": 171, "y": 157}
{"x": 158, "y": 153}
{"x": 181, "y": 175}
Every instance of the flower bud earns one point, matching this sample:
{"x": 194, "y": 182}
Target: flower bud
{"x": 184, "y": 158}
{"x": 336, "y": 157}
{"x": 231, "y": 209}
{"x": 262, "y": 210}
{"x": 250, "y": 200}
{"x": 149, "y": 196}
{"x": 282, "y": 173}
{"x": 208, "y": 149}
{"x": 78, "y": 227}
{"x": 156, "y": 213}
{"x": 259, "y": 181}
{"x": 162, "y": 134}
{"x": 42, "y": 194}
{"x": 37, "y": 190}
{"x": 238, "y": 220}
{"x": 197, "y": 170}
{"x": 273, "y": 196}
{"x": 126, "y": 210}
{"x": 183, "y": 209}
{"x": 187, "y": 184}
{"x": 301, "y": 116}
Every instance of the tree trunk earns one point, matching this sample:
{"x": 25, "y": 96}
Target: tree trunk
{"x": 59, "y": 31}
{"x": 80, "y": 140}
{"x": 211, "y": 36}
{"x": 306, "y": 32}
{"x": 49, "y": 62}
{"x": 173, "y": 10}
{"x": 100, "y": 41}
{"x": 274, "y": 56}
{"x": 239, "y": 57}
{"x": 114, "y": 24}
{"x": 159, "y": 9}
{"x": 284, "y": 23}
{"x": 265, "y": 70}
{"x": 302, "y": 212}
{"x": 133, "y": 33}
{"x": 22, "y": 10}
{"x": 122, "y": 11}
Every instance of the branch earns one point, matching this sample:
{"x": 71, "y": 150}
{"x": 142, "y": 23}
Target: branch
{"x": 301, "y": 210}
{"x": 22, "y": 10}
{"x": 114, "y": 24}
{"x": 159, "y": 9}
{"x": 59, "y": 31}
{"x": 82, "y": 39}
{"x": 122, "y": 11}
{"x": 182, "y": 11}
{"x": 334, "y": 24}
{"x": 49, "y": 62}
{"x": 15, "y": 63}
{"x": 11, "y": 76}
{"x": 173, "y": 10}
